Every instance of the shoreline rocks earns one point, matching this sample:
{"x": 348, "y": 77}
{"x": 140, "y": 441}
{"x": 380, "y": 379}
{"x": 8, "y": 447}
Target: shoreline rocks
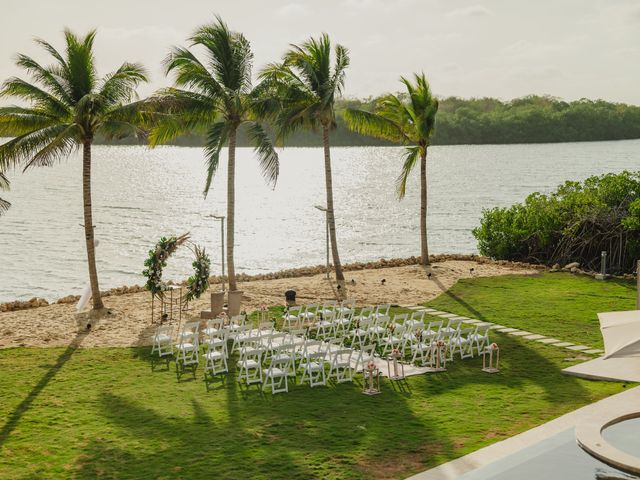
{"x": 289, "y": 273}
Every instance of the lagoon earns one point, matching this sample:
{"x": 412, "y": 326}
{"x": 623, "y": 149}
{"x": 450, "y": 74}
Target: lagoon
{"x": 141, "y": 194}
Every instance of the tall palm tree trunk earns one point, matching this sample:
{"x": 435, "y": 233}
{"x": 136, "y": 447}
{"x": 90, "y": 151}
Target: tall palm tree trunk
{"x": 231, "y": 208}
{"x": 331, "y": 220}
{"x": 424, "y": 247}
{"x": 88, "y": 226}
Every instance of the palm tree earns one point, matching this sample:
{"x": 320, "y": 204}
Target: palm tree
{"x": 216, "y": 96}
{"x": 4, "y": 185}
{"x": 409, "y": 120}
{"x": 306, "y": 83}
{"x": 67, "y": 105}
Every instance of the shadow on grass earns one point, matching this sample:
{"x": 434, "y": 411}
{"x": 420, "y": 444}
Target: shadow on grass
{"x": 545, "y": 373}
{"x": 453, "y": 296}
{"x": 233, "y": 432}
{"x": 15, "y": 416}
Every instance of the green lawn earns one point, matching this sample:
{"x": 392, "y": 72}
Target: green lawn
{"x": 559, "y": 305}
{"x": 105, "y": 413}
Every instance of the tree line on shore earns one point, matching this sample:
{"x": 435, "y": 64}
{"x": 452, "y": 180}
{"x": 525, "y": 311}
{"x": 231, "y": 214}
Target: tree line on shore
{"x": 65, "y": 106}
{"x": 530, "y": 119}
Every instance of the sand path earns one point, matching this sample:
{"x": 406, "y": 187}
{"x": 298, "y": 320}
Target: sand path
{"x": 57, "y": 325}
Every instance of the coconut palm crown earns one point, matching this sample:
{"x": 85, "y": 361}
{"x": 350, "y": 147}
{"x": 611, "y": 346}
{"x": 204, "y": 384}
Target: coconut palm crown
{"x": 409, "y": 120}
{"x": 304, "y": 86}
{"x": 215, "y": 96}
{"x": 63, "y": 107}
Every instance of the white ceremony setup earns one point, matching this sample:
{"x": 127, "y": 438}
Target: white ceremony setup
{"x": 316, "y": 344}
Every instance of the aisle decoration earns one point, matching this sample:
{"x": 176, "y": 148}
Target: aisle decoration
{"x": 371, "y": 384}
{"x": 491, "y": 368}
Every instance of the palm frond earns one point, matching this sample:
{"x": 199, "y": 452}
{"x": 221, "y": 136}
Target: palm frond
{"x": 216, "y": 138}
{"x": 178, "y": 112}
{"x": 229, "y": 54}
{"x": 192, "y": 74}
{"x": 57, "y": 147}
{"x": 4, "y": 185}
{"x": 410, "y": 156}
{"x": 267, "y": 155}
{"x": 48, "y": 77}
{"x": 374, "y": 125}
{"x": 120, "y": 86}
{"x": 19, "y": 88}
{"x": 22, "y": 149}
{"x": 16, "y": 120}
{"x": 80, "y": 64}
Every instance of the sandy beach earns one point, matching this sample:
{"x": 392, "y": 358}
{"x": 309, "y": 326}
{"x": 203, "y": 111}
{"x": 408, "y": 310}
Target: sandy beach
{"x": 130, "y": 323}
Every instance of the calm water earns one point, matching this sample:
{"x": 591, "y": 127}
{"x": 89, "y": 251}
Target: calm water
{"x": 141, "y": 194}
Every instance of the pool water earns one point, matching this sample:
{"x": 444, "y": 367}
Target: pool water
{"x": 560, "y": 458}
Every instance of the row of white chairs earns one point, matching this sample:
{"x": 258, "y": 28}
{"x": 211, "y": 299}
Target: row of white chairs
{"x": 266, "y": 355}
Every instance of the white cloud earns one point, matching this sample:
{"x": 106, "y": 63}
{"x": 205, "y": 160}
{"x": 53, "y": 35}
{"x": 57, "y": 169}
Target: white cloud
{"x": 471, "y": 11}
{"x": 292, "y": 10}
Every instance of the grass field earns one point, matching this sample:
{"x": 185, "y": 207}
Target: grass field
{"x": 105, "y": 413}
{"x": 559, "y": 305}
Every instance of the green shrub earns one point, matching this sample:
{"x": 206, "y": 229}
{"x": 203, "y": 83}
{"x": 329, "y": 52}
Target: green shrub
{"x": 575, "y": 223}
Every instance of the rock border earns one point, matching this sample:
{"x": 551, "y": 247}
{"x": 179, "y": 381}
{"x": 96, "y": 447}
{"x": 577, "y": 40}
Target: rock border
{"x": 289, "y": 273}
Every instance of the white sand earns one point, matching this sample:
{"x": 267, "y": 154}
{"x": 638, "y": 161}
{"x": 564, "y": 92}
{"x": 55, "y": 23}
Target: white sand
{"x": 56, "y": 325}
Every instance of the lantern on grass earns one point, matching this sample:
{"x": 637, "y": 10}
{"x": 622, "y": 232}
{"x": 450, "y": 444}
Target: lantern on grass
{"x": 398, "y": 368}
{"x": 371, "y": 384}
{"x": 493, "y": 351}
{"x": 263, "y": 313}
{"x": 438, "y": 361}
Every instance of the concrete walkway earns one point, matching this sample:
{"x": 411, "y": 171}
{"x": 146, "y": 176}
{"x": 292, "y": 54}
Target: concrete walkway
{"x": 585, "y": 415}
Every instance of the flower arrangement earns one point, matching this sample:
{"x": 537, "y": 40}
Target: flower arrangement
{"x": 493, "y": 346}
{"x": 197, "y": 284}
{"x": 158, "y": 260}
{"x": 395, "y": 353}
{"x": 371, "y": 366}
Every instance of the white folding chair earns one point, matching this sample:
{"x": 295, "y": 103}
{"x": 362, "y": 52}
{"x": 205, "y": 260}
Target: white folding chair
{"x": 276, "y": 376}
{"x": 382, "y": 310}
{"x": 347, "y": 307}
{"x": 189, "y": 330}
{"x": 328, "y": 308}
{"x": 215, "y": 339}
{"x": 250, "y": 365}
{"x": 213, "y": 326}
{"x": 342, "y": 323}
{"x": 313, "y": 369}
{"x": 341, "y": 368}
{"x": 364, "y": 354}
{"x": 453, "y": 325}
{"x": 434, "y": 327}
{"x": 480, "y": 338}
{"x": 462, "y": 343}
{"x": 309, "y": 313}
{"x": 291, "y": 318}
{"x": 325, "y": 327}
{"x": 364, "y": 314}
{"x": 187, "y": 348}
{"x": 422, "y": 349}
{"x": 380, "y": 326}
{"x": 360, "y": 334}
{"x": 392, "y": 340}
{"x": 162, "y": 341}
{"x": 416, "y": 320}
{"x": 216, "y": 354}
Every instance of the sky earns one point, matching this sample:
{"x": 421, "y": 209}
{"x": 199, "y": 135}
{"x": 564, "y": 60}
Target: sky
{"x": 499, "y": 48}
